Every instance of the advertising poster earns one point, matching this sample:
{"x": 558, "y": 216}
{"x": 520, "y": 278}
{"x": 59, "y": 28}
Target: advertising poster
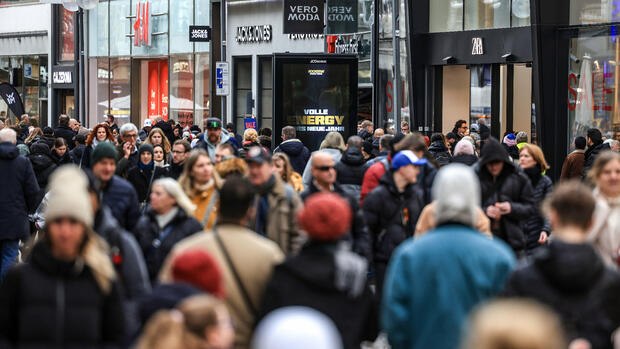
{"x": 316, "y": 95}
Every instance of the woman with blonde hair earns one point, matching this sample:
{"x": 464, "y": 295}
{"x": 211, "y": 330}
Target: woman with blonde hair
{"x": 201, "y": 184}
{"x": 514, "y": 324}
{"x": 199, "y": 322}
{"x": 66, "y": 293}
{"x": 100, "y": 133}
{"x": 250, "y": 139}
{"x": 282, "y": 167}
{"x": 157, "y": 137}
{"x": 34, "y": 136}
{"x": 605, "y": 231}
{"x": 168, "y": 220}
{"x": 532, "y": 161}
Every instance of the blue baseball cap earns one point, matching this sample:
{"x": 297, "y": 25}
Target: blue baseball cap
{"x": 406, "y": 157}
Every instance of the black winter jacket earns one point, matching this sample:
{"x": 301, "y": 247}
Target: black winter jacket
{"x": 590, "y": 156}
{"x": 440, "y": 152}
{"x": 174, "y": 171}
{"x": 297, "y": 153}
{"x": 512, "y": 186}
{"x": 147, "y": 231}
{"x": 48, "y": 140}
{"x": 120, "y": 196}
{"x": 391, "y": 216}
{"x": 61, "y": 160}
{"x": 573, "y": 281}
{"x": 309, "y": 279}
{"x": 20, "y": 192}
{"x": 425, "y": 182}
{"x": 77, "y": 152}
{"x": 43, "y": 166}
{"x": 48, "y": 303}
{"x": 360, "y": 236}
{"x": 123, "y": 165}
{"x": 350, "y": 171}
{"x": 465, "y": 159}
{"x": 542, "y": 187}
{"x": 142, "y": 180}
{"x": 67, "y": 133}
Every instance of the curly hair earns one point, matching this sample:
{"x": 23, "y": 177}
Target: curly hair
{"x": 93, "y": 134}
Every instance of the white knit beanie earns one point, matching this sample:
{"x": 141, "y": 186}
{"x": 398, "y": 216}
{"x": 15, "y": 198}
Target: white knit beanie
{"x": 456, "y": 190}
{"x": 69, "y": 196}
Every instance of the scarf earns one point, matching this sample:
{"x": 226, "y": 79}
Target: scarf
{"x": 534, "y": 174}
{"x": 164, "y": 219}
{"x": 144, "y": 167}
{"x": 160, "y": 163}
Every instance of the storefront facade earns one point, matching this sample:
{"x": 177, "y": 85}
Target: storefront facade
{"x": 25, "y": 48}
{"x": 141, "y": 63}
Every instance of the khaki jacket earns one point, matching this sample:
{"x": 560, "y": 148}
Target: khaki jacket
{"x": 427, "y": 221}
{"x": 282, "y": 224}
{"x": 254, "y": 258}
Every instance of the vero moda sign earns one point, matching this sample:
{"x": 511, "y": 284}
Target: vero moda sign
{"x": 304, "y": 16}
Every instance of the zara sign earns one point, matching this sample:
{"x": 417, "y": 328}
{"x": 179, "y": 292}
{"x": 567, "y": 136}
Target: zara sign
{"x": 477, "y": 47}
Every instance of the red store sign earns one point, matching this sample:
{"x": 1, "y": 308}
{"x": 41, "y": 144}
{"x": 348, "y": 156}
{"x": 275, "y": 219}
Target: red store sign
{"x": 142, "y": 27}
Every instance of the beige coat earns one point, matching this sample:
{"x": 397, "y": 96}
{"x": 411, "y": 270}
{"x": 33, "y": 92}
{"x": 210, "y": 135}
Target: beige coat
{"x": 605, "y": 232}
{"x": 282, "y": 224}
{"x": 254, "y": 258}
{"x": 427, "y": 221}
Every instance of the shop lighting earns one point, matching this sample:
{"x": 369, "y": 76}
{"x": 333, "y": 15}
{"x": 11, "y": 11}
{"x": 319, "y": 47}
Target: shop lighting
{"x": 449, "y": 60}
{"x": 508, "y": 56}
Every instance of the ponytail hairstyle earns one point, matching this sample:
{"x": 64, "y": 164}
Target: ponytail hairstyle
{"x": 183, "y": 327}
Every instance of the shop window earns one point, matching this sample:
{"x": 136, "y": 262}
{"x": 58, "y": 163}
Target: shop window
{"x": 594, "y": 11}
{"x": 480, "y": 94}
{"x": 593, "y": 84}
{"x": 242, "y": 94}
{"x": 181, "y": 16}
{"x": 446, "y": 15}
{"x": 66, "y": 39}
{"x": 43, "y": 76}
{"x": 487, "y": 14}
{"x": 31, "y": 85}
{"x": 266, "y": 92}
{"x": 202, "y": 17}
{"x": 121, "y": 26}
{"x": 203, "y": 89}
{"x": 98, "y": 30}
{"x": 98, "y": 89}
{"x": 182, "y": 89}
{"x": 120, "y": 89}
{"x": 158, "y": 25}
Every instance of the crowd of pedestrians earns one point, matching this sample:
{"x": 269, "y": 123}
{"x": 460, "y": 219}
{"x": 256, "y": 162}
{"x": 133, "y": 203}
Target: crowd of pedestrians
{"x": 164, "y": 237}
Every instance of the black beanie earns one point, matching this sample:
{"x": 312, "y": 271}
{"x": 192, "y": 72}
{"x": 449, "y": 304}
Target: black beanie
{"x": 103, "y": 150}
{"x": 145, "y": 148}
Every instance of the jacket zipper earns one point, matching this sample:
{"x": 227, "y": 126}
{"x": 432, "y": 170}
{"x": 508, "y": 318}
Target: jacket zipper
{"x": 60, "y": 311}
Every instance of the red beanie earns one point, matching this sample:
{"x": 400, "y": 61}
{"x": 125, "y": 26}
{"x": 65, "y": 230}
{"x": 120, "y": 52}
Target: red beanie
{"x": 199, "y": 269}
{"x": 325, "y": 217}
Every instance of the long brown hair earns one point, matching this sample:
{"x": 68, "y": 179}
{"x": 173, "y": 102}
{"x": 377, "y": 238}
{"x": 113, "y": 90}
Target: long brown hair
{"x": 164, "y": 139}
{"x": 93, "y": 134}
{"x": 288, "y": 169}
{"x": 186, "y": 180}
{"x": 35, "y": 132}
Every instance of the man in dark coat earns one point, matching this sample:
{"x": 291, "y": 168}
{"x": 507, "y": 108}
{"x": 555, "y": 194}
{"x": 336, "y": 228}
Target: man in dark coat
{"x": 43, "y": 166}
{"x": 326, "y": 276}
{"x": 325, "y": 181}
{"x": 439, "y": 150}
{"x": 392, "y": 209}
{"x": 20, "y": 190}
{"x": 297, "y": 153}
{"x": 118, "y": 194}
{"x": 128, "y": 149}
{"x": 366, "y": 131}
{"x": 569, "y": 276}
{"x": 80, "y": 145}
{"x": 64, "y": 131}
{"x": 180, "y": 152}
{"x": 352, "y": 167}
{"x": 507, "y": 195}
{"x": 595, "y": 147}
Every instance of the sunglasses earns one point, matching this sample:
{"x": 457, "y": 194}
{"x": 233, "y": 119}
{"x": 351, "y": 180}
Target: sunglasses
{"x": 324, "y": 168}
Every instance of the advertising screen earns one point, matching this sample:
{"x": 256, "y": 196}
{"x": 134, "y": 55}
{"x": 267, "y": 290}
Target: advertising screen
{"x": 316, "y": 95}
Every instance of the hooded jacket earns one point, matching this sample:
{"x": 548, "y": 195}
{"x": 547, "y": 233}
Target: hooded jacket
{"x": 147, "y": 231}
{"x": 511, "y": 186}
{"x": 391, "y": 217}
{"x": 49, "y": 303}
{"x": 315, "y": 278}
{"x": 465, "y": 159}
{"x": 440, "y": 152}
{"x": 297, "y": 153}
{"x": 20, "y": 191}
{"x": 573, "y": 281}
{"x": 350, "y": 171}
{"x": 205, "y": 144}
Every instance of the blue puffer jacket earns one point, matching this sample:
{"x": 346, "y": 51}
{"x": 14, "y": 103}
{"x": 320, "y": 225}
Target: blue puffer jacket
{"x": 20, "y": 191}
{"x": 434, "y": 281}
{"x": 120, "y": 196}
{"x": 296, "y": 152}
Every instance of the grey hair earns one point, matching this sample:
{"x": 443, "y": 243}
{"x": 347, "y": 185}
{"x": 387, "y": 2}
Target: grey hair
{"x": 175, "y": 191}
{"x": 8, "y": 135}
{"x": 128, "y": 127}
{"x": 289, "y": 132}
{"x": 456, "y": 191}
{"x": 157, "y": 119}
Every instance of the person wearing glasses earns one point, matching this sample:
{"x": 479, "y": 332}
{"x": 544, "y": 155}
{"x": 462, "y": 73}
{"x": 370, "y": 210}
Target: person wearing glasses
{"x": 459, "y": 130}
{"x": 128, "y": 149}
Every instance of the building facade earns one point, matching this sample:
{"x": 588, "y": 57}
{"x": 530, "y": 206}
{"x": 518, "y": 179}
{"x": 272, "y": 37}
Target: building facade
{"x": 25, "y": 58}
